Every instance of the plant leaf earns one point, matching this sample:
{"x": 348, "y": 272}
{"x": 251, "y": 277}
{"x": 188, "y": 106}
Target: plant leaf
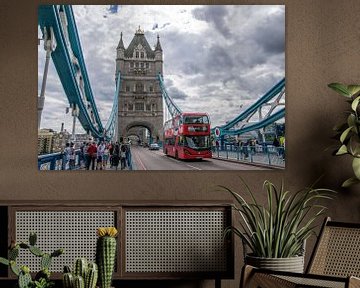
{"x": 4, "y": 261}
{"x": 354, "y": 145}
{"x": 355, "y": 103}
{"x": 351, "y": 119}
{"x": 349, "y": 182}
{"x": 345, "y": 134}
{"x": 353, "y": 89}
{"x": 356, "y": 167}
{"x": 340, "y": 88}
{"x": 342, "y": 150}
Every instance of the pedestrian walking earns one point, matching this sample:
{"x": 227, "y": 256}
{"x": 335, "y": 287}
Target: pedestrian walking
{"x": 92, "y": 150}
{"x": 66, "y": 159}
{"x": 128, "y": 154}
{"x": 123, "y": 156}
{"x": 116, "y": 156}
{"x": 87, "y": 156}
{"x": 82, "y": 154}
{"x": 72, "y": 157}
{"x": 105, "y": 156}
{"x": 111, "y": 150}
{"x": 100, "y": 154}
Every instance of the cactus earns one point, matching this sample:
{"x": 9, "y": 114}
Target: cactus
{"x": 45, "y": 261}
{"x": 67, "y": 269}
{"x": 91, "y": 276}
{"x": 79, "y": 282}
{"x": 36, "y": 251}
{"x": 32, "y": 239}
{"x": 4, "y": 261}
{"x": 87, "y": 272}
{"x": 42, "y": 278}
{"x": 105, "y": 254}
{"x": 80, "y": 267}
{"x": 57, "y": 253}
{"x": 13, "y": 253}
{"x": 14, "y": 268}
{"x": 24, "y": 280}
{"x": 44, "y": 273}
{"x": 24, "y": 245}
{"x": 68, "y": 280}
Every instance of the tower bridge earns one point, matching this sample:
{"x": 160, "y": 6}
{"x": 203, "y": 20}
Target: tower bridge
{"x": 140, "y": 99}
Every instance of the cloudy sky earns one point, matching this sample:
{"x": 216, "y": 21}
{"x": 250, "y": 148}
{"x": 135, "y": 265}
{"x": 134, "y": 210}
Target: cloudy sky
{"x": 217, "y": 59}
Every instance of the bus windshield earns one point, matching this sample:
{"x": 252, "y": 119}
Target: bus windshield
{"x": 197, "y": 142}
{"x": 203, "y": 119}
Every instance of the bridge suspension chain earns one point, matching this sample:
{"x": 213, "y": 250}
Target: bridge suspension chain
{"x": 173, "y": 109}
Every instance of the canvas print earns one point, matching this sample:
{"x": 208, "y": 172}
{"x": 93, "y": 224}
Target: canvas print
{"x": 146, "y": 87}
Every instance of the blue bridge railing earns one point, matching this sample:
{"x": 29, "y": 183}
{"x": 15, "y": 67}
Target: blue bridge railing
{"x": 265, "y": 155}
{"x": 56, "y": 161}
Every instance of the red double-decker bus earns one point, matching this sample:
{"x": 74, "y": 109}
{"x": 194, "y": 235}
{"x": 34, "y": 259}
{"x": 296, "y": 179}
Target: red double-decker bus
{"x": 187, "y": 136}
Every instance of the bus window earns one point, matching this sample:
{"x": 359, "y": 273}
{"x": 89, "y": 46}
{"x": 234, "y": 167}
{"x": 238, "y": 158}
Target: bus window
{"x": 197, "y": 142}
{"x": 196, "y": 119}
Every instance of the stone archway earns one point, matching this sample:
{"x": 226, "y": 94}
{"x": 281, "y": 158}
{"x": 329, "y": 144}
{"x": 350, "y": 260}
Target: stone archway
{"x": 154, "y": 133}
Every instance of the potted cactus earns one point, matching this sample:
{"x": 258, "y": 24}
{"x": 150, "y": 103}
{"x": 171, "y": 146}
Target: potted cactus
{"x": 106, "y": 254}
{"x": 42, "y": 278}
{"x": 84, "y": 275}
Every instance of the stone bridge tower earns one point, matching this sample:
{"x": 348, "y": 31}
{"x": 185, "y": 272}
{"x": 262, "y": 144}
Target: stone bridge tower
{"x": 140, "y": 98}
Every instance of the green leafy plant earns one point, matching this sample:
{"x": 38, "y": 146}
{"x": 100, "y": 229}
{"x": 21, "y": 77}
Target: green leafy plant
{"x": 279, "y": 229}
{"x": 42, "y": 278}
{"x": 349, "y": 131}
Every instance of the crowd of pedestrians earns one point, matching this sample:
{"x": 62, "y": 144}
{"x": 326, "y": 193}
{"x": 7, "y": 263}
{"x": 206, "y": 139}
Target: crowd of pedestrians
{"x": 100, "y": 155}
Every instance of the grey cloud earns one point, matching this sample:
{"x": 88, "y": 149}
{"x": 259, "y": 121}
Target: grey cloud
{"x": 216, "y": 15}
{"x": 271, "y": 34}
{"x": 177, "y": 94}
{"x": 174, "y": 92}
{"x": 218, "y": 57}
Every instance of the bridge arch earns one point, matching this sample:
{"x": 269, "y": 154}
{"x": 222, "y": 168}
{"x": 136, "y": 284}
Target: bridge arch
{"x": 153, "y": 131}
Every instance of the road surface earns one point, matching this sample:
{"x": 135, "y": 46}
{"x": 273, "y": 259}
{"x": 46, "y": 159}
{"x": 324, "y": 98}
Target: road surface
{"x": 145, "y": 159}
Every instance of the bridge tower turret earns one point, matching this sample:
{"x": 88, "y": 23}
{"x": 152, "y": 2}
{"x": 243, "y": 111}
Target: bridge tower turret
{"x": 120, "y": 58}
{"x": 140, "y": 97}
{"x": 158, "y": 57}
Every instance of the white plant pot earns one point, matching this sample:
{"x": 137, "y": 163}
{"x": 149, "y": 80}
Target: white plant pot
{"x": 291, "y": 264}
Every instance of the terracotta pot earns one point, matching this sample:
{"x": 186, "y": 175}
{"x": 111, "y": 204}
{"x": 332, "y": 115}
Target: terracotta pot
{"x": 291, "y": 264}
